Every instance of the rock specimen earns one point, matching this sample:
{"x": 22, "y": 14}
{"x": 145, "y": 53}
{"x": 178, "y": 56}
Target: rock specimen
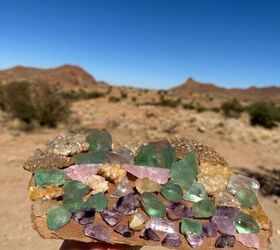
{"x": 57, "y": 218}
{"x": 153, "y": 205}
{"x": 196, "y": 192}
{"x": 149, "y": 234}
{"x": 172, "y": 192}
{"x": 240, "y": 181}
{"x": 47, "y": 177}
{"x": 146, "y": 185}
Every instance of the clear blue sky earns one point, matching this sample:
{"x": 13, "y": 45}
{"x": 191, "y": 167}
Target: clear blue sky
{"x": 147, "y": 43}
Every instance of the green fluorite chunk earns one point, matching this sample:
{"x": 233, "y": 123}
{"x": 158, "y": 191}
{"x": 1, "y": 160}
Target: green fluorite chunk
{"x": 153, "y": 205}
{"x": 184, "y": 172}
{"x": 99, "y": 140}
{"x": 97, "y": 201}
{"x": 146, "y": 156}
{"x": 57, "y": 218}
{"x": 172, "y": 192}
{"x": 196, "y": 192}
{"x": 246, "y": 197}
{"x": 75, "y": 205}
{"x": 203, "y": 209}
{"x": 167, "y": 156}
{"x": 190, "y": 226}
{"x": 74, "y": 189}
{"x": 47, "y": 177}
{"x": 90, "y": 158}
{"x": 246, "y": 224}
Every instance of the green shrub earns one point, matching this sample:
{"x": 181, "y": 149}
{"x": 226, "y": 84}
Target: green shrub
{"x": 232, "y": 108}
{"x": 188, "y": 106}
{"x": 123, "y": 95}
{"x": 81, "y": 95}
{"x": 200, "y": 108}
{"x": 264, "y": 114}
{"x": 114, "y": 99}
{"x": 172, "y": 103}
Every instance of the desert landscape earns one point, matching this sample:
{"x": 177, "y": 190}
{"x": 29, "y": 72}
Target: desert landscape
{"x": 194, "y": 110}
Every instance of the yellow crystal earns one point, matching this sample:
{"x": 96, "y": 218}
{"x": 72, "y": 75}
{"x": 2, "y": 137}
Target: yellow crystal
{"x": 112, "y": 173}
{"x": 260, "y": 216}
{"x": 224, "y": 198}
{"x": 46, "y": 193}
{"x": 146, "y": 185}
{"x": 136, "y": 221}
{"x": 97, "y": 184}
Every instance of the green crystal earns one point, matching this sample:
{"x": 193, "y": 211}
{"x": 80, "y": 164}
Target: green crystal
{"x": 172, "y": 192}
{"x": 97, "y": 201}
{"x": 196, "y": 192}
{"x": 246, "y": 197}
{"x": 167, "y": 156}
{"x": 184, "y": 172}
{"x": 203, "y": 209}
{"x": 190, "y": 226}
{"x": 90, "y": 158}
{"x": 99, "y": 140}
{"x": 246, "y": 224}
{"x": 57, "y": 218}
{"x": 74, "y": 189}
{"x": 47, "y": 177}
{"x": 153, "y": 205}
{"x": 146, "y": 156}
{"x": 75, "y": 205}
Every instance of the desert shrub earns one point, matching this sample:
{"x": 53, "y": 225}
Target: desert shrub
{"x": 123, "y": 95}
{"x": 134, "y": 98}
{"x": 114, "y": 99}
{"x": 200, "y": 108}
{"x": 35, "y": 102}
{"x": 232, "y": 108}
{"x": 215, "y": 109}
{"x": 172, "y": 103}
{"x": 81, "y": 95}
{"x": 188, "y": 106}
{"x": 264, "y": 114}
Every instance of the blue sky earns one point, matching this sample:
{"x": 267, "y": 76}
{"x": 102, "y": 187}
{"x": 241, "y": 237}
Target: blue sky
{"x": 147, "y": 43}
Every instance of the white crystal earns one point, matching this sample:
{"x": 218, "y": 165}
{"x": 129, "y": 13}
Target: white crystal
{"x": 161, "y": 225}
{"x": 237, "y": 181}
{"x": 122, "y": 189}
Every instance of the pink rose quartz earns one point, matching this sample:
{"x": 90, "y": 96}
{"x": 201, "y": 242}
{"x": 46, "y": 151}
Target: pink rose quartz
{"x": 248, "y": 240}
{"x": 81, "y": 172}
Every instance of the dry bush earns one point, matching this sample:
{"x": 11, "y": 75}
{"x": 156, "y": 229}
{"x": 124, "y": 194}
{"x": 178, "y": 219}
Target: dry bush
{"x": 232, "y": 108}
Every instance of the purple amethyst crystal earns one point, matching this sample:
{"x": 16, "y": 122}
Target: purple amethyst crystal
{"x": 225, "y": 241}
{"x": 127, "y": 204}
{"x": 97, "y": 232}
{"x": 171, "y": 240}
{"x": 177, "y": 211}
{"x": 84, "y": 217}
{"x": 225, "y": 225}
{"x": 112, "y": 218}
{"x": 149, "y": 234}
{"x": 226, "y": 211}
{"x": 209, "y": 229}
{"x": 194, "y": 240}
{"x": 124, "y": 230}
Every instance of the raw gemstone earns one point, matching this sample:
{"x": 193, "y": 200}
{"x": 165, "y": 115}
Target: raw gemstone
{"x": 177, "y": 211}
{"x": 146, "y": 185}
{"x": 149, "y": 234}
{"x": 99, "y": 140}
{"x": 41, "y": 207}
{"x": 190, "y": 226}
{"x": 224, "y": 198}
{"x": 47, "y": 193}
{"x": 81, "y": 172}
{"x": 97, "y": 201}
{"x": 146, "y": 156}
{"x": 128, "y": 204}
{"x": 171, "y": 240}
{"x": 113, "y": 173}
{"x": 159, "y": 175}
{"x": 246, "y": 197}
{"x": 122, "y": 189}
{"x": 97, "y": 184}
{"x": 203, "y": 209}
{"x": 172, "y": 192}
{"x": 57, "y": 218}
{"x": 214, "y": 177}
{"x": 67, "y": 145}
{"x": 153, "y": 205}
{"x": 248, "y": 240}
{"x": 260, "y": 216}
{"x": 120, "y": 156}
{"x": 209, "y": 229}
{"x": 224, "y": 224}
{"x": 124, "y": 230}
{"x": 74, "y": 189}
{"x": 225, "y": 241}
{"x": 196, "y": 192}
{"x": 91, "y": 157}
{"x": 47, "y": 177}
{"x": 75, "y": 205}
{"x": 184, "y": 172}
{"x": 194, "y": 240}
{"x": 246, "y": 224}
{"x": 43, "y": 160}
{"x": 97, "y": 232}
{"x": 112, "y": 218}
{"x": 237, "y": 181}
{"x": 84, "y": 217}
{"x": 161, "y": 225}
{"x": 136, "y": 221}
{"x": 226, "y": 211}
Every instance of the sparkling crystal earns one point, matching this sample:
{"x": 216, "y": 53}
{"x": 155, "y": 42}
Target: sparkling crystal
{"x": 225, "y": 241}
{"x": 248, "y": 240}
{"x": 194, "y": 240}
{"x": 237, "y": 181}
{"x": 41, "y": 207}
{"x": 112, "y": 218}
{"x": 177, "y": 211}
{"x": 124, "y": 230}
{"x": 172, "y": 240}
{"x": 161, "y": 225}
{"x": 209, "y": 229}
{"x": 122, "y": 189}
{"x": 84, "y": 217}
{"x": 260, "y": 216}
{"x": 153, "y": 205}
{"x": 246, "y": 197}
{"x": 224, "y": 198}
{"x": 97, "y": 232}
{"x": 113, "y": 173}
{"x": 74, "y": 189}
{"x": 149, "y": 234}
{"x": 159, "y": 175}
{"x": 47, "y": 177}
{"x": 57, "y": 218}
{"x": 91, "y": 157}
{"x": 81, "y": 172}
{"x": 97, "y": 201}
{"x": 127, "y": 204}
{"x": 47, "y": 193}
{"x": 196, "y": 192}
{"x": 172, "y": 192}
{"x": 203, "y": 209}
{"x": 246, "y": 224}
{"x": 226, "y": 211}
{"x": 146, "y": 185}
{"x": 224, "y": 224}
{"x": 184, "y": 172}
{"x": 97, "y": 184}
{"x": 136, "y": 221}
{"x": 99, "y": 140}
{"x": 190, "y": 226}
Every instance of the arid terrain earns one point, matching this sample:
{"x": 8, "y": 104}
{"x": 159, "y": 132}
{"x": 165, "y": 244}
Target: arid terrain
{"x": 251, "y": 150}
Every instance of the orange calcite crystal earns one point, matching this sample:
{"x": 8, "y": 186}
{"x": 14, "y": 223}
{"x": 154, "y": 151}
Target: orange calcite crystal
{"x": 47, "y": 193}
{"x": 146, "y": 185}
{"x": 260, "y": 216}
